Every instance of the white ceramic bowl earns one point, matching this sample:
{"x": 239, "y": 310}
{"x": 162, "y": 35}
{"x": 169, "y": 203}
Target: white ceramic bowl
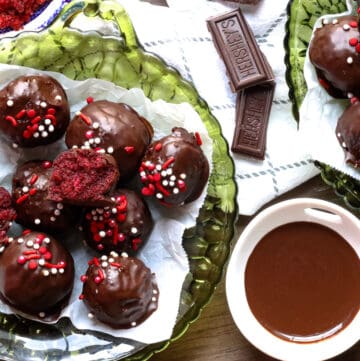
{"x": 295, "y": 210}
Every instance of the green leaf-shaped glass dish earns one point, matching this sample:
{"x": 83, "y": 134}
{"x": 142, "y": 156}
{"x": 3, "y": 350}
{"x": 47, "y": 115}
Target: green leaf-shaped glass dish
{"x": 302, "y": 15}
{"x": 121, "y": 60}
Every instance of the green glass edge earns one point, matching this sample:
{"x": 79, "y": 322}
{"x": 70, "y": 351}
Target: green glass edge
{"x": 214, "y": 233}
{"x": 302, "y": 15}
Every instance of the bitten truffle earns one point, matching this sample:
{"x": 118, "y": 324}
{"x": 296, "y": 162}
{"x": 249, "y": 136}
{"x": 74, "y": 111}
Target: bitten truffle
{"x": 174, "y": 168}
{"x": 7, "y": 213}
{"x": 83, "y": 177}
{"x": 36, "y": 274}
{"x": 334, "y": 51}
{"x": 348, "y": 133}
{"x": 119, "y": 291}
{"x": 34, "y": 111}
{"x": 114, "y": 128}
{"x": 30, "y": 197}
{"x": 123, "y": 226}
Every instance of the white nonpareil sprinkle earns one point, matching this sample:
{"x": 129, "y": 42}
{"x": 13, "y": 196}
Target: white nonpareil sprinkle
{"x": 350, "y": 60}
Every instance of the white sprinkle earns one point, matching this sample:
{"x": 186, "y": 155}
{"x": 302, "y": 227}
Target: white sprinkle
{"x": 91, "y": 141}
{"x": 93, "y": 212}
{"x": 45, "y": 272}
{"x": 104, "y": 258}
{"x": 36, "y": 246}
{"x": 102, "y": 151}
{"x": 97, "y": 140}
{"x": 57, "y": 212}
{"x": 104, "y": 264}
{"x": 47, "y": 240}
{"x": 335, "y": 21}
{"x": 100, "y": 210}
{"x": 349, "y": 60}
{"x": 96, "y": 125}
{"x": 155, "y": 292}
{"x": 143, "y": 174}
{"x": 20, "y": 240}
{"x": 52, "y": 219}
{"x": 90, "y": 315}
{"x": 350, "y": 95}
{"x": 102, "y": 234}
{"x": 86, "y": 144}
{"x": 114, "y": 254}
{"x": 172, "y": 178}
{"x": 42, "y": 314}
{"x": 111, "y": 260}
{"x": 134, "y": 230}
{"x": 59, "y": 206}
{"x": 339, "y": 135}
{"x": 43, "y": 104}
{"x": 95, "y": 218}
{"x": 101, "y": 218}
{"x": 171, "y": 184}
{"x": 80, "y": 228}
{"x": 343, "y": 144}
{"x": 159, "y": 196}
{"x": 124, "y": 254}
{"x": 36, "y": 135}
{"x": 325, "y": 21}
{"x": 54, "y": 271}
{"x": 133, "y": 324}
{"x": 176, "y": 190}
{"x": 147, "y": 163}
{"x": 110, "y": 150}
{"x": 14, "y": 145}
{"x": 37, "y": 221}
{"x": 163, "y": 173}
{"x": 10, "y": 103}
{"x": 47, "y": 121}
{"x": 10, "y": 239}
{"x": 29, "y": 244}
{"x": 153, "y": 299}
{"x": 169, "y": 171}
{"x": 183, "y": 176}
{"x": 58, "y": 97}
{"x": 165, "y": 183}
{"x": 61, "y": 270}
{"x": 346, "y": 27}
{"x": 41, "y": 262}
{"x": 25, "y": 189}
{"x": 51, "y": 128}
{"x": 114, "y": 210}
{"x": 158, "y": 167}
{"x": 74, "y": 147}
{"x": 2, "y": 249}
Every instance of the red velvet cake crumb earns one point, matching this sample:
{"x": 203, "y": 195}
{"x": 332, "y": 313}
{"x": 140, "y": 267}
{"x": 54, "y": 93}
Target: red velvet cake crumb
{"x": 7, "y": 212}
{"x": 83, "y": 177}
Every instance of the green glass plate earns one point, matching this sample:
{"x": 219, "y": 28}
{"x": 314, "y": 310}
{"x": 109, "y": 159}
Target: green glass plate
{"x": 122, "y": 60}
{"x": 302, "y": 15}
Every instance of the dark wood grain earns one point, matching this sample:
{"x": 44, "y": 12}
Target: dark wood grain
{"x": 214, "y": 336}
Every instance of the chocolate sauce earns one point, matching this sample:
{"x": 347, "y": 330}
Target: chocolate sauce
{"x": 302, "y": 282}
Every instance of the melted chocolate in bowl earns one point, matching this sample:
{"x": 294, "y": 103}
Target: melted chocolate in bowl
{"x": 302, "y": 282}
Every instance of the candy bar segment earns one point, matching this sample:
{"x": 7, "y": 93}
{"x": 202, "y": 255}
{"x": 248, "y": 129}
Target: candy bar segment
{"x": 252, "y": 115}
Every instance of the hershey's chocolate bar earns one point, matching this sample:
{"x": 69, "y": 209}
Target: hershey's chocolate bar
{"x": 241, "y": 54}
{"x": 253, "y": 107}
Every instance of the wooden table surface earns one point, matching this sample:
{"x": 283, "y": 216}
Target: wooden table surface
{"x": 214, "y": 336}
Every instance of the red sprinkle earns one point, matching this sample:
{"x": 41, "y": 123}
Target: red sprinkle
{"x": 198, "y": 138}
{"x": 158, "y": 147}
{"x": 357, "y": 48}
{"x": 36, "y": 120}
{"x": 51, "y": 111}
{"x": 33, "y": 265}
{"x": 20, "y": 114}
{"x": 89, "y": 100}
{"x": 32, "y": 191}
{"x": 85, "y": 118}
{"x": 47, "y": 164}
{"x": 22, "y": 199}
{"x": 26, "y": 231}
{"x": 129, "y": 149}
{"x": 33, "y": 179}
{"x": 12, "y": 120}
{"x": 168, "y": 162}
{"x": 353, "y": 24}
{"x": 81, "y": 297}
{"x": 115, "y": 264}
{"x": 31, "y": 113}
{"x": 353, "y": 41}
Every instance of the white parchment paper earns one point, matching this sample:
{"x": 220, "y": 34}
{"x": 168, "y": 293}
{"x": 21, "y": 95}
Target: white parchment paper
{"x": 319, "y": 114}
{"x": 163, "y": 253}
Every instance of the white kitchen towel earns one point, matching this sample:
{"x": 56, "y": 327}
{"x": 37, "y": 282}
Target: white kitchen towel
{"x": 179, "y": 35}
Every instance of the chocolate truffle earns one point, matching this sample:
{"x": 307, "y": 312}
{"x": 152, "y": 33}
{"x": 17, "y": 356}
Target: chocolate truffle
{"x": 34, "y": 110}
{"x": 348, "y": 133}
{"x": 124, "y": 226}
{"x": 30, "y": 197}
{"x": 334, "y": 51}
{"x": 83, "y": 177}
{"x": 114, "y": 128}
{"x": 36, "y": 274}
{"x": 174, "y": 168}
{"x": 119, "y": 290}
{"x": 7, "y": 213}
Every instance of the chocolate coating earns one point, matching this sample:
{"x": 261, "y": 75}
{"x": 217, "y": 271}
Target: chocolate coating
{"x": 119, "y": 291}
{"x": 30, "y": 197}
{"x": 36, "y": 274}
{"x": 337, "y": 62}
{"x": 114, "y": 127}
{"x": 348, "y": 133}
{"x": 124, "y": 226}
{"x": 34, "y": 110}
{"x": 174, "y": 169}
{"x": 83, "y": 177}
